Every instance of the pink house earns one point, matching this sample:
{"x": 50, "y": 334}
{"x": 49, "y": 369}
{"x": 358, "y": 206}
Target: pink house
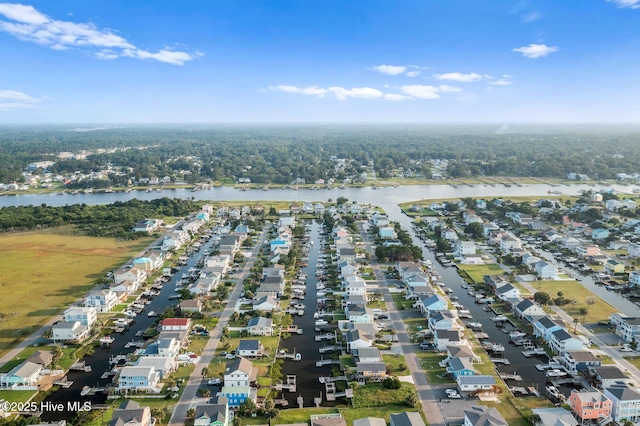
{"x": 590, "y": 405}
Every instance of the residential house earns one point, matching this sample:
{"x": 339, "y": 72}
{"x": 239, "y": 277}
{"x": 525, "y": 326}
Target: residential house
{"x": 628, "y": 328}
{"x": 369, "y": 421}
{"x": 608, "y": 375}
{"x": 347, "y": 255}
{"x": 43, "y": 358}
{"x": 250, "y": 349}
{"x": 634, "y": 278}
{"x": 238, "y": 377}
{"x": 544, "y": 326}
{"x": 449, "y": 234}
{"x": 626, "y": 403}
{"x": 556, "y": 416}
{"x": 357, "y": 339}
{"x": 510, "y": 243}
{"x": 368, "y": 354}
{"x": 260, "y": 326}
{"x": 590, "y": 406}
{"x": 612, "y": 266}
{"x": 460, "y": 367}
{"x": 476, "y": 383}
{"x": 561, "y": 341}
{"x": 147, "y": 226}
{"x": 578, "y": 361}
{"x": 587, "y": 250}
{"x": 442, "y": 320}
{"x": 528, "y": 309}
{"x": 545, "y": 271}
{"x": 633, "y": 250}
{"x": 175, "y": 324}
{"x": 129, "y": 273}
{"x": 101, "y": 300}
{"x": 387, "y": 233}
{"x": 483, "y": 416}
{"x": 70, "y": 332}
{"x": 85, "y": 316}
{"x": 163, "y": 365}
{"x": 600, "y": 234}
{"x": 214, "y": 413}
{"x": 192, "y": 305}
{"x": 462, "y": 248}
{"x": 407, "y": 418}
{"x": 433, "y": 302}
{"x": 163, "y": 347}
{"x": 462, "y": 352}
{"x": 444, "y": 338}
{"x": 130, "y": 413}
{"x": 134, "y": 378}
{"x": 26, "y": 373}
{"x": 371, "y": 370}
{"x": 507, "y": 291}
{"x": 358, "y": 313}
{"x": 266, "y": 304}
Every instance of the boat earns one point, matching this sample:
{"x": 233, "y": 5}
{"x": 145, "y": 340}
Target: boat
{"x": 298, "y": 357}
{"x": 556, "y": 372}
{"x": 152, "y": 314}
{"x": 106, "y": 340}
{"x": 542, "y": 367}
{"x": 553, "y": 391}
{"x": 493, "y": 347}
{"x": 516, "y": 335}
{"x": 499, "y": 318}
{"x": 321, "y": 322}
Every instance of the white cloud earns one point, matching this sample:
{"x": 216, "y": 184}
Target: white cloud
{"x": 390, "y": 69}
{"x": 531, "y": 17}
{"x": 26, "y": 23}
{"x": 536, "y": 50}
{"x": 447, "y": 88}
{"x": 501, "y": 82}
{"x": 311, "y": 90}
{"x": 13, "y": 99}
{"x": 395, "y": 97}
{"x": 420, "y": 91}
{"x": 357, "y": 92}
{"x": 413, "y": 73}
{"x": 630, "y": 4}
{"x": 460, "y": 77}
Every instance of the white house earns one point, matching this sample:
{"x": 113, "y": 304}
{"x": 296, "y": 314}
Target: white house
{"x": 65, "y": 331}
{"x": 260, "y": 326}
{"x": 463, "y": 248}
{"x": 237, "y": 382}
{"x": 545, "y": 271}
{"x": 134, "y": 378}
{"x": 85, "y": 316}
{"x": 626, "y": 403}
{"x": 562, "y": 341}
{"x": 24, "y": 374}
{"x": 101, "y": 300}
{"x": 476, "y": 383}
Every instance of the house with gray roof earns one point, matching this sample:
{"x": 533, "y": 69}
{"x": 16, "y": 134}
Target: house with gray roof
{"x": 408, "y": 418}
{"x": 483, "y": 416}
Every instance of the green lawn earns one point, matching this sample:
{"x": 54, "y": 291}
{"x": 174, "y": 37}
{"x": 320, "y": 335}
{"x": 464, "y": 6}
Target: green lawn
{"x": 375, "y": 395}
{"x": 571, "y": 289}
{"x": 429, "y": 361}
{"x": 395, "y": 361}
{"x": 477, "y": 272}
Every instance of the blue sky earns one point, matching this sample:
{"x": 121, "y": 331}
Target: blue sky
{"x": 154, "y": 61}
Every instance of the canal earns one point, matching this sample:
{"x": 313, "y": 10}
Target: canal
{"x": 99, "y": 361}
{"x": 307, "y": 374}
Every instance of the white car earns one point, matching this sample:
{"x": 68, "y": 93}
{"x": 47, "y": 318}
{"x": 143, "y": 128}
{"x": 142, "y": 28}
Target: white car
{"x": 626, "y": 349}
{"x": 214, "y": 382}
{"x": 452, "y": 393}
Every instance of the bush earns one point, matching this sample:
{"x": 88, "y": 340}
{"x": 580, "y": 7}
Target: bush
{"x": 391, "y": 383}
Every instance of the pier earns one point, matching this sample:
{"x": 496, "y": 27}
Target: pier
{"x": 510, "y": 376}
{"x": 289, "y": 385}
{"x": 326, "y": 349}
{"x": 324, "y": 362}
{"x": 291, "y": 329}
{"x": 326, "y": 336}
{"x": 80, "y": 366}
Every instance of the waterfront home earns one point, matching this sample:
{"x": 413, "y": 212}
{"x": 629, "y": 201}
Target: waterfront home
{"x": 347, "y": 255}
{"x": 147, "y": 226}
{"x": 626, "y": 403}
{"x": 433, "y": 302}
{"x": 634, "y": 278}
{"x": 612, "y": 266}
{"x": 442, "y": 320}
{"x": 163, "y": 347}
{"x": 449, "y": 234}
{"x": 123, "y": 289}
{"x": 175, "y": 324}
{"x": 193, "y": 305}
{"x": 590, "y": 406}
{"x": 443, "y": 338}
{"x": 101, "y": 300}
{"x": 387, "y": 233}
{"x": 130, "y": 413}
{"x": 163, "y": 365}
{"x": 628, "y": 328}
{"x": 527, "y": 309}
{"x": 507, "y": 291}
{"x": 26, "y": 373}
{"x": 358, "y": 313}
{"x": 462, "y": 248}
{"x": 174, "y": 240}
{"x": 85, "y": 316}
{"x": 556, "y": 416}
{"x": 510, "y": 243}
{"x": 578, "y": 361}
{"x": 561, "y": 341}
{"x": 369, "y": 421}
{"x": 368, "y": 355}
{"x": 43, "y": 358}
{"x": 203, "y": 286}
{"x": 460, "y": 367}
{"x": 134, "y": 378}
{"x": 543, "y": 328}
{"x": 472, "y": 259}
{"x": 371, "y": 370}
{"x": 355, "y": 285}
{"x": 260, "y": 326}
{"x": 545, "y": 271}
{"x": 214, "y": 413}
{"x": 266, "y": 303}
{"x": 129, "y": 273}
{"x": 495, "y": 281}
{"x": 407, "y": 418}
{"x": 357, "y": 339}
{"x": 483, "y": 416}
{"x": 476, "y": 384}
{"x": 608, "y": 375}
{"x": 238, "y": 377}
{"x": 633, "y": 250}
{"x": 461, "y": 351}
{"x": 69, "y": 332}
{"x": 250, "y": 348}
{"x": 229, "y": 244}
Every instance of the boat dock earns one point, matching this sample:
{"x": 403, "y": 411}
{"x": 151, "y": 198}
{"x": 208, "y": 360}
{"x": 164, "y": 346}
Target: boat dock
{"x": 510, "y": 376}
{"x": 534, "y": 352}
{"x": 326, "y": 336}
{"x": 290, "y": 384}
{"x": 326, "y": 349}
{"x": 291, "y": 329}
{"x": 324, "y": 362}
{"x": 502, "y": 361}
{"x": 80, "y": 366}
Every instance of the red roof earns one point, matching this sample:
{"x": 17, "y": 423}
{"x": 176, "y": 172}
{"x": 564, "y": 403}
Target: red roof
{"x": 175, "y": 321}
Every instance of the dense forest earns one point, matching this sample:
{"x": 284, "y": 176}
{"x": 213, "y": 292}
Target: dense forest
{"x": 279, "y": 154}
{"x": 112, "y": 220}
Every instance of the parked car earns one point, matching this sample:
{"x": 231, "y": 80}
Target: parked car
{"x": 214, "y": 382}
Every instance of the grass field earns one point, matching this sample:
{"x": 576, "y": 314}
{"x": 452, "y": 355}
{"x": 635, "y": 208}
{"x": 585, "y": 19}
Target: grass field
{"x": 599, "y": 310}
{"x": 42, "y": 272}
{"x": 477, "y": 272}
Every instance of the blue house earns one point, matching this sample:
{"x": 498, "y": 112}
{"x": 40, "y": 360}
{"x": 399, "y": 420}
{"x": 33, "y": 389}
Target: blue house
{"x": 434, "y": 302}
{"x": 460, "y": 367}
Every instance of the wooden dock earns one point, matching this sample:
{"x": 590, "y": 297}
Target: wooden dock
{"x": 324, "y": 362}
{"x": 326, "y": 349}
{"x": 509, "y": 376}
{"x": 291, "y": 329}
{"x": 326, "y": 336}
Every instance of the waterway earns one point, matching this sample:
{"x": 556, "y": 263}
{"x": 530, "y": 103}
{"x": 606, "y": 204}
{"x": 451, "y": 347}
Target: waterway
{"x": 99, "y": 361}
{"x": 306, "y": 372}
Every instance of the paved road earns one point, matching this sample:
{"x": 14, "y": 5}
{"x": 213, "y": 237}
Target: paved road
{"x": 430, "y": 403}
{"x": 189, "y": 398}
